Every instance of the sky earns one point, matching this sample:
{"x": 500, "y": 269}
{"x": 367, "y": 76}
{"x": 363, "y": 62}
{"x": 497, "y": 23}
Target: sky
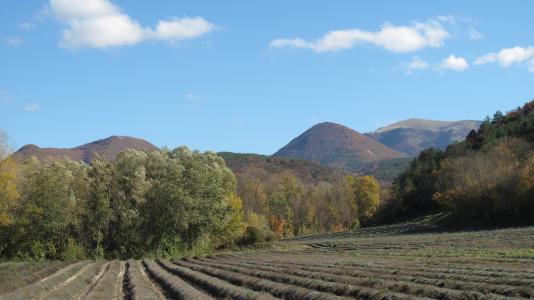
{"x": 249, "y": 76}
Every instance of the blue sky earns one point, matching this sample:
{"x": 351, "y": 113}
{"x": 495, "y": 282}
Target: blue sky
{"x": 248, "y": 76}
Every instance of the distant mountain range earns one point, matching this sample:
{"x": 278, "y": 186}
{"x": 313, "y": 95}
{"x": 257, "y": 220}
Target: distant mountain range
{"x": 108, "y": 148}
{"x": 414, "y": 135}
{"x": 312, "y": 156}
{"x": 383, "y": 153}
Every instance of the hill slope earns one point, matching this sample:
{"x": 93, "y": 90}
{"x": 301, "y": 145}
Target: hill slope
{"x": 337, "y": 146}
{"x": 108, "y": 148}
{"x": 414, "y": 135}
{"x": 261, "y": 166}
{"x": 485, "y": 179}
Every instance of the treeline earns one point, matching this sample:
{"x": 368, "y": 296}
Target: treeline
{"x": 486, "y": 179}
{"x": 289, "y": 206}
{"x": 163, "y": 203}
{"x": 288, "y": 197}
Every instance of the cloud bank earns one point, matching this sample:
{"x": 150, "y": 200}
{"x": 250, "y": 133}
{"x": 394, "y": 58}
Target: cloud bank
{"x": 400, "y": 39}
{"x": 101, "y": 24}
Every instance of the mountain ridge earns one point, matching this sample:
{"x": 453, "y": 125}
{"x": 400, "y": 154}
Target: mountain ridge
{"x": 411, "y": 136}
{"x": 108, "y": 148}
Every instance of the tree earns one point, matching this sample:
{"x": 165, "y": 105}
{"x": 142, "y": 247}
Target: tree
{"x": 253, "y": 193}
{"x": 415, "y": 187}
{"x": 49, "y": 217}
{"x": 9, "y": 194}
{"x": 366, "y": 197}
{"x": 129, "y": 188}
{"x": 8, "y": 188}
{"x": 5, "y": 147}
{"x": 97, "y": 209}
{"x": 234, "y": 225}
{"x": 283, "y": 193}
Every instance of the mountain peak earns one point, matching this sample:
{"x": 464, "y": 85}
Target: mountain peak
{"x": 336, "y": 145}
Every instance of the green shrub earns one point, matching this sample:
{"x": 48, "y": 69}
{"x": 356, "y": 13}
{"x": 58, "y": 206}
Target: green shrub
{"x": 254, "y": 236}
{"x": 73, "y": 251}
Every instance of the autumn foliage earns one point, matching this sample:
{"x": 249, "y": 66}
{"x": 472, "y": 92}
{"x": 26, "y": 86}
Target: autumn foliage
{"x": 488, "y": 178}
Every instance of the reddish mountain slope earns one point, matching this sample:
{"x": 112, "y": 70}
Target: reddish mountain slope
{"x": 108, "y": 148}
{"x": 337, "y": 146}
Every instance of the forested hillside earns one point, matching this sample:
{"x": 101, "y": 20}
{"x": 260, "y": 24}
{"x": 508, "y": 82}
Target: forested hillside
{"x": 294, "y": 196}
{"x": 487, "y": 178}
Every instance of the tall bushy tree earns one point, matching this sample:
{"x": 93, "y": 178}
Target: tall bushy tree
{"x": 49, "y": 213}
{"x": 366, "y": 197}
{"x": 129, "y": 187}
{"x": 415, "y": 187}
{"x": 284, "y": 191}
{"x": 97, "y": 208}
{"x": 9, "y": 194}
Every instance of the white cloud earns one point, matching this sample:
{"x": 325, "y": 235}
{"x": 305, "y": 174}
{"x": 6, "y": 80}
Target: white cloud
{"x": 101, "y": 24}
{"x": 531, "y": 66}
{"x": 507, "y": 56}
{"x": 179, "y": 29}
{"x": 32, "y": 107}
{"x": 415, "y": 65}
{"x": 13, "y": 41}
{"x": 454, "y": 63}
{"x": 390, "y": 37}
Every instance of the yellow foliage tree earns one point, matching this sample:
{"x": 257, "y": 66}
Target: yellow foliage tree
{"x": 8, "y": 188}
{"x": 366, "y": 196}
{"x": 234, "y": 222}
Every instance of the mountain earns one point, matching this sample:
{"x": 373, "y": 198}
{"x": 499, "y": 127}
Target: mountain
{"x": 414, "y": 135}
{"x": 335, "y": 145}
{"x": 108, "y": 148}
